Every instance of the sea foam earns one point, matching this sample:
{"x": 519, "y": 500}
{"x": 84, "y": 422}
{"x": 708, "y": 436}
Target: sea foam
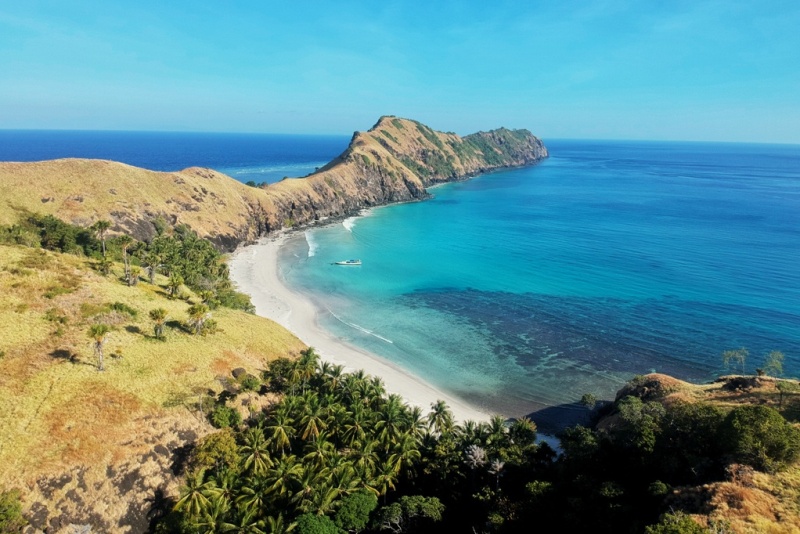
{"x": 312, "y": 243}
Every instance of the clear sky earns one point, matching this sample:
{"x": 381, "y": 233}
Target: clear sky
{"x": 723, "y": 70}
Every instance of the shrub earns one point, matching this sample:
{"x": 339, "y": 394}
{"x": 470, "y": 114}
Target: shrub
{"x": 11, "y": 519}
{"x": 315, "y": 524}
{"x": 123, "y": 308}
{"x": 353, "y": 515}
{"x": 225, "y": 417}
{"x": 217, "y": 450}
{"x": 250, "y": 383}
{"x": 678, "y": 523}
{"x": 233, "y": 299}
{"x": 759, "y": 436}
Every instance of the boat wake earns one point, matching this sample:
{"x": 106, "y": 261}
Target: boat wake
{"x": 360, "y": 328}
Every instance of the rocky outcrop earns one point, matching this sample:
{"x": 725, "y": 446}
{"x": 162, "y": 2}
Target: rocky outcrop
{"x": 395, "y": 161}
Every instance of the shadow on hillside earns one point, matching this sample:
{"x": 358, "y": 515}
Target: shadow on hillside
{"x": 553, "y": 419}
{"x": 68, "y": 356}
{"x": 177, "y": 325}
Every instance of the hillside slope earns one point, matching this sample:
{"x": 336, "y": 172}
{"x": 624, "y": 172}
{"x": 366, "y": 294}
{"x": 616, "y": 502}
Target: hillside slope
{"x": 394, "y": 161}
{"x": 84, "y": 445}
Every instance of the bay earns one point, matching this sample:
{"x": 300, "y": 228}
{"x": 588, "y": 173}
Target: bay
{"x": 521, "y": 290}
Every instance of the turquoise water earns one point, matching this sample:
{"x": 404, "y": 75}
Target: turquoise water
{"x": 521, "y": 290}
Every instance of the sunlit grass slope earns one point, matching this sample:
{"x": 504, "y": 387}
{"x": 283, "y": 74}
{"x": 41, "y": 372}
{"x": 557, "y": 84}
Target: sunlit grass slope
{"x": 57, "y": 408}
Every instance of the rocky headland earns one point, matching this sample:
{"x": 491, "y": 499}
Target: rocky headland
{"x": 395, "y": 161}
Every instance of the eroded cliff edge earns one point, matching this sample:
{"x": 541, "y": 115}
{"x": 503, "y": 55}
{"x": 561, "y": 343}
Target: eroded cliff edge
{"x": 394, "y": 161}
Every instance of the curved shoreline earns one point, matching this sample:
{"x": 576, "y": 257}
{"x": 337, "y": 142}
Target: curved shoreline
{"x": 254, "y": 270}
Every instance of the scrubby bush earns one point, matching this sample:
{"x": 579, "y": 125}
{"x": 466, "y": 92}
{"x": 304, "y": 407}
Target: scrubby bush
{"x": 225, "y": 417}
{"x": 11, "y": 520}
{"x": 759, "y": 436}
{"x": 250, "y": 383}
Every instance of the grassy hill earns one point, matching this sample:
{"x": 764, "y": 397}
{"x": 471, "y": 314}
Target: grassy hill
{"x": 747, "y": 500}
{"x": 77, "y": 441}
{"x": 394, "y": 161}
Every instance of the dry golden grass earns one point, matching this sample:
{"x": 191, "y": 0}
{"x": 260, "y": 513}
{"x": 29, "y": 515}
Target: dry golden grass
{"x": 216, "y": 206}
{"x": 58, "y": 409}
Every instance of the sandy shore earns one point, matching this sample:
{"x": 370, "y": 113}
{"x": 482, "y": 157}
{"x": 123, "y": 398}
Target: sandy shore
{"x": 254, "y": 269}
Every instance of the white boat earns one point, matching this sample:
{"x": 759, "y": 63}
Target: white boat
{"x": 348, "y": 262}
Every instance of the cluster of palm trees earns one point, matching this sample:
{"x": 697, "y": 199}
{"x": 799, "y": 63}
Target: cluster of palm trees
{"x": 332, "y": 435}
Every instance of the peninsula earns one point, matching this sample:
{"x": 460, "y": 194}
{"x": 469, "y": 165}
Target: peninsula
{"x": 394, "y": 161}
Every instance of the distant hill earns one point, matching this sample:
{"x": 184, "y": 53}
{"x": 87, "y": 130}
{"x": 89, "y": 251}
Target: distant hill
{"x": 394, "y": 161}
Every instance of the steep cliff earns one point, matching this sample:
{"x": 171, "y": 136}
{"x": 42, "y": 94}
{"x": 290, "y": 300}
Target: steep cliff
{"x": 394, "y": 161}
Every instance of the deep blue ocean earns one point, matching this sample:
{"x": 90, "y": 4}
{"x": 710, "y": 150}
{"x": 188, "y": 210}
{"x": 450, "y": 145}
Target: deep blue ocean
{"x": 523, "y": 289}
{"x": 257, "y": 157}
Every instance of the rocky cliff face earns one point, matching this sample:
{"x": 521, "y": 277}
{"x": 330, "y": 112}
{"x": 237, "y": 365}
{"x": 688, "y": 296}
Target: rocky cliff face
{"x": 394, "y": 161}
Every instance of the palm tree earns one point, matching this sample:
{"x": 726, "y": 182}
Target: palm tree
{"x": 198, "y": 314}
{"x": 222, "y": 485}
{"x": 365, "y": 458}
{"x": 307, "y": 480}
{"x": 416, "y": 423}
{"x": 135, "y": 272}
{"x": 174, "y": 284}
{"x": 150, "y": 261}
{"x": 318, "y": 451}
{"x": 390, "y": 420}
{"x": 385, "y": 477}
{"x": 159, "y": 317}
{"x": 99, "y": 334}
{"x": 281, "y": 432}
{"x": 101, "y": 227}
{"x": 255, "y": 452}
{"x": 312, "y": 421}
{"x": 404, "y": 454}
{"x": 440, "y": 418}
{"x": 254, "y": 495}
{"x": 356, "y": 426}
{"x": 276, "y": 525}
{"x": 248, "y": 523}
{"x": 522, "y": 432}
{"x": 496, "y": 438}
{"x": 125, "y": 241}
{"x": 194, "y": 500}
{"x": 213, "y": 516}
{"x": 281, "y": 479}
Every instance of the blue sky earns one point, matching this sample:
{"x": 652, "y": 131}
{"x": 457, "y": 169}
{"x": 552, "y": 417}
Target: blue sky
{"x": 695, "y": 70}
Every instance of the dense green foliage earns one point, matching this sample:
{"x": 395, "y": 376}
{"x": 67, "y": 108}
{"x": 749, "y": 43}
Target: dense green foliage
{"x": 51, "y": 233}
{"x": 11, "y": 520}
{"x": 180, "y": 255}
{"x": 337, "y": 443}
{"x": 761, "y": 437}
{"x": 338, "y": 454}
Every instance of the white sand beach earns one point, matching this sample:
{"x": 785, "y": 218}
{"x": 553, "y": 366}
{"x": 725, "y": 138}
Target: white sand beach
{"x": 254, "y": 269}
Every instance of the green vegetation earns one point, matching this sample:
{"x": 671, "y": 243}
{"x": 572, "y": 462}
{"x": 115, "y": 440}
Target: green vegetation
{"x": 99, "y": 334}
{"x": 430, "y": 135}
{"x": 180, "y": 255}
{"x": 11, "y": 520}
{"x": 759, "y": 436}
{"x": 51, "y": 233}
{"x": 735, "y": 356}
{"x": 338, "y": 454}
{"x": 159, "y": 317}
{"x": 389, "y": 136}
{"x": 773, "y": 363}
